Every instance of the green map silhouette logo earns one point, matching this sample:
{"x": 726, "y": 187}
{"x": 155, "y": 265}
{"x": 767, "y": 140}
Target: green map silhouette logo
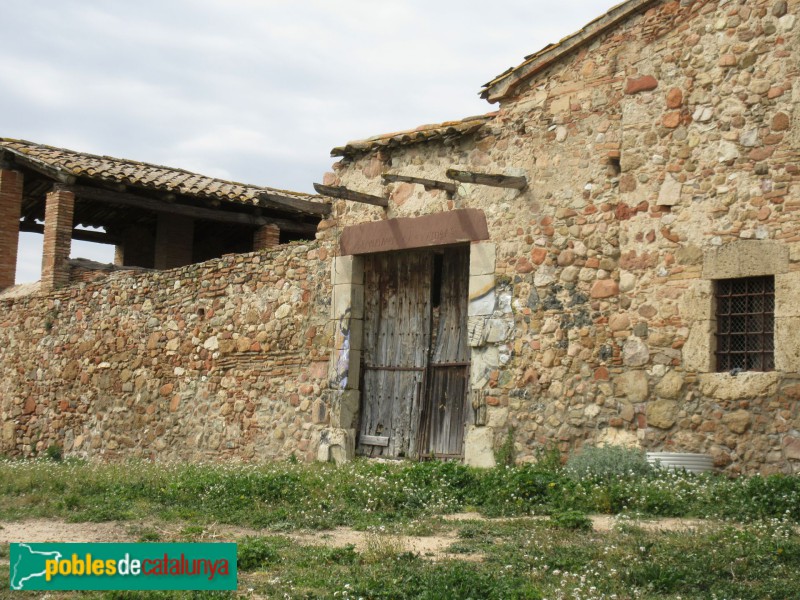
{"x": 28, "y": 564}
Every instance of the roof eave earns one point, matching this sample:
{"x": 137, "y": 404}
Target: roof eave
{"x": 504, "y": 85}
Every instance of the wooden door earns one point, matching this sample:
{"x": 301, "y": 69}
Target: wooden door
{"x": 415, "y": 362}
{"x": 397, "y": 312}
{"x": 444, "y": 410}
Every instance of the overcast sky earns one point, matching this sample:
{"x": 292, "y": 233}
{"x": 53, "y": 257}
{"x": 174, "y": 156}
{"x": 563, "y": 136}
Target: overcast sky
{"x": 257, "y": 91}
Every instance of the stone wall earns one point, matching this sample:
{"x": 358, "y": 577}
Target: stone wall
{"x": 224, "y": 359}
{"x": 650, "y": 151}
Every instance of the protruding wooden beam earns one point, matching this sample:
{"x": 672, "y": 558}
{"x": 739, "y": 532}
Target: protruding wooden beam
{"x": 345, "y": 194}
{"x": 430, "y": 184}
{"x": 506, "y": 181}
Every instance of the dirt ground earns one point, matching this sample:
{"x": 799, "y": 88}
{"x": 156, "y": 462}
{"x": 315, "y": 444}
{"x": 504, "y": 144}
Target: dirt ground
{"x": 433, "y": 547}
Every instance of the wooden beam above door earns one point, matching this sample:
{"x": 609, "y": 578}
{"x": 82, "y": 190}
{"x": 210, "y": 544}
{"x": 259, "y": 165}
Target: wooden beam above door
{"x": 505, "y": 181}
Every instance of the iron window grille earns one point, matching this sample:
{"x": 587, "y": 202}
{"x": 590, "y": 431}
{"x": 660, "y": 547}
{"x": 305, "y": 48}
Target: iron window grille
{"x": 745, "y": 324}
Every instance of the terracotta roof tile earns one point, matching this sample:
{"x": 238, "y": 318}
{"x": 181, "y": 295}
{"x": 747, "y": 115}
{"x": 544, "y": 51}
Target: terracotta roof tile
{"x": 424, "y": 133}
{"x": 156, "y": 177}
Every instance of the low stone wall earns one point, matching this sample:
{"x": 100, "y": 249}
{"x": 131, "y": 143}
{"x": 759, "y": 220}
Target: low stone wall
{"x": 215, "y": 360}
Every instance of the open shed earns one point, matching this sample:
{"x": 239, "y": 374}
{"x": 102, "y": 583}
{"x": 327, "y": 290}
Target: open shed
{"x": 156, "y": 217}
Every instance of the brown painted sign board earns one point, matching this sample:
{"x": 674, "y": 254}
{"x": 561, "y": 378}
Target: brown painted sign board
{"x": 440, "y": 229}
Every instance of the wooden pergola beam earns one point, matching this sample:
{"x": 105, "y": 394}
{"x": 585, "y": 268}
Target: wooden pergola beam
{"x": 429, "y": 184}
{"x": 504, "y": 181}
{"x": 83, "y": 235}
{"x": 345, "y": 194}
{"x": 83, "y": 192}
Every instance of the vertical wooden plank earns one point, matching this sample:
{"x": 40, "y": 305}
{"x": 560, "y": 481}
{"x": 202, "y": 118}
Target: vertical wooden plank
{"x": 445, "y": 409}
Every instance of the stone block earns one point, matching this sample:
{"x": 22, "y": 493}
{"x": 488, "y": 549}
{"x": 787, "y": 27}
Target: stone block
{"x": 698, "y": 351}
{"x": 612, "y": 436}
{"x": 635, "y": 352}
{"x": 662, "y": 414}
{"x": 670, "y": 193}
{"x": 627, "y": 281}
{"x": 8, "y": 437}
{"x": 484, "y": 361}
{"x": 350, "y": 334}
{"x": 737, "y": 421}
{"x": 498, "y": 330}
{"x": 348, "y": 302}
{"x": 496, "y": 417}
{"x": 476, "y": 327}
{"x": 482, "y": 258}
{"x": 636, "y": 85}
{"x": 354, "y": 370}
{"x": 344, "y": 408}
{"x": 336, "y": 445}
{"x": 697, "y": 302}
{"x": 670, "y": 386}
{"x": 787, "y": 291}
{"x": 347, "y": 269}
{"x": 605, "y": 288}
{"x": 791, "y": 448}
{"x": 746, "y": 258}
{"x": 746, "y": 385}
{"x": 787, "y": 344}
{"x": 481, "y": 295}
{"x": 479, "y": 447}
{"x": 633, "y": 385}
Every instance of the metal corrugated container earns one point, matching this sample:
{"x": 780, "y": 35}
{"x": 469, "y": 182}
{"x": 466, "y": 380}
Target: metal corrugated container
{"x": 677, "y": 461}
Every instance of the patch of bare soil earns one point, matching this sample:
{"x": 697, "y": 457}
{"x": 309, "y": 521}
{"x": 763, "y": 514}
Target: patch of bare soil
{"x": 607, "y": 523}
{"x": 431, "y": 547}
{"x": 602, "y": 523}
{"x": 50, "y": 530}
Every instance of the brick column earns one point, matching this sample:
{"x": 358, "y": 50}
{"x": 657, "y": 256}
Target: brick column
{"x": 58, "y": 223}
{"x": 10, "y": 208}
{"x": 174, "y": 241}
{"x": 266, "y": 236}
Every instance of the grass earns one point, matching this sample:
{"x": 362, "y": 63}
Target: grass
{"x": 750, "y": 548}
{"x": 287, "y": 496}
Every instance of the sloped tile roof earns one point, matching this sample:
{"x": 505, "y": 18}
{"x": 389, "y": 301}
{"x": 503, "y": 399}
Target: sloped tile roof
{"x": 424, "y": 133}
{"x": 69, "y": 163}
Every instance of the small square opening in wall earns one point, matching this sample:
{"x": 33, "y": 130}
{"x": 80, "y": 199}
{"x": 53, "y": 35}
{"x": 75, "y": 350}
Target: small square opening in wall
{"x": 745, "y": 313}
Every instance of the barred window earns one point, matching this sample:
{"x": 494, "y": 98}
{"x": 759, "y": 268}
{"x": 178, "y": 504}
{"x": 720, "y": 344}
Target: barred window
{"x": 745, "y": 324}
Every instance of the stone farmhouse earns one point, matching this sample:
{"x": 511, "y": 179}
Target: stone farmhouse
{"x": 611, "y": 256}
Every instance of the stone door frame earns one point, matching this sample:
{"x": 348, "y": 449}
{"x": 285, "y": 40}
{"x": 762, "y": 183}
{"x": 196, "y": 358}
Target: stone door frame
{"x": 337, "y": 443}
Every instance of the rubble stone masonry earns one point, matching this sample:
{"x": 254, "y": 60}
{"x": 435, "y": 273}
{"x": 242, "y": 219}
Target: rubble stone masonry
{"x": 660, "y": 157}
{"x": 215, "y": 360}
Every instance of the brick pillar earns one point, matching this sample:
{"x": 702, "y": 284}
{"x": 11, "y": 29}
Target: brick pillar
{"x": 57, "y": 238}
{"x": 174, "y": 240}
{"x": 266, "y": 236}
{"x": 10, "y": 208}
